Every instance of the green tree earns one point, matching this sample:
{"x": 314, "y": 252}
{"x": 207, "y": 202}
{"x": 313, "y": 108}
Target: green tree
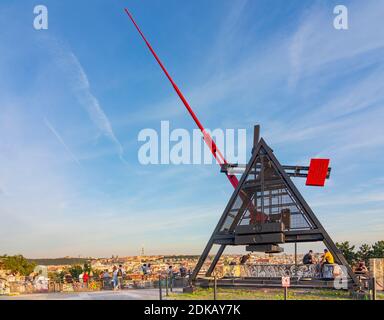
{"x": 56, "y": 276}
{"x": 75, "y": 271}
{"x": 378, "y": 249}
{"x": 348, "y": 251}
{"x": 17, "y": 264}
{"x": 364, "y": 253}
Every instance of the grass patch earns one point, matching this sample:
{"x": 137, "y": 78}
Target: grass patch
{"x": 262, "y": 294}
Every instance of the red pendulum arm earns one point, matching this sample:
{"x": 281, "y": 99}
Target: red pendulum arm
{"x": 207, "y": 138}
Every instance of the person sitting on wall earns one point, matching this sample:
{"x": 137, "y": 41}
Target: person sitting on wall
{"x": 106, "y": 278}
{"x": 308, "y": 258}
{"x": 327, "y": 258}
{"x": 244, "y": 258}
{"x": 361, "y": 268}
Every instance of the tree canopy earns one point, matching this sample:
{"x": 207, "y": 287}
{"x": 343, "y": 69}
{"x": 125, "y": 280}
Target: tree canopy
{"x": 17, "y": 264}
{"x": 364, "y": 253}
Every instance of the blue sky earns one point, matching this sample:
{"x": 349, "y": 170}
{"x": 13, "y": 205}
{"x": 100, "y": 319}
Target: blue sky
{"x": 73, "y": 99}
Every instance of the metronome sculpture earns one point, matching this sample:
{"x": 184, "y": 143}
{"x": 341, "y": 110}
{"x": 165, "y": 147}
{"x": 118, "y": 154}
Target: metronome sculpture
{"x": 267, "y": 210}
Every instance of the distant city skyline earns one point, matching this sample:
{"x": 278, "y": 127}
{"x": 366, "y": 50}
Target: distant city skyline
{"x": 74, "y": 97}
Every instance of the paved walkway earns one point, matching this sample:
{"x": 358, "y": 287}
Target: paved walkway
{"x": 130, "y": 294}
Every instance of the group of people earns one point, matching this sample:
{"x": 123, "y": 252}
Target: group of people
{"x": 118, "y": 274}
{"x": 326, "y": 258}
{"x": 183, "y": 271}
{"x": 146, "y": 270}
{"x": 85, "y": 277}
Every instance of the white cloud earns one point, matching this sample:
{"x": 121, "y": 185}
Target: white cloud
{"x": 80, "y": 84}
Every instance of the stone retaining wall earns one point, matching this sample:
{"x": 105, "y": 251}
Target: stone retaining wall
{"x": 376, "y": 269}
{"x": 278, "y": 271}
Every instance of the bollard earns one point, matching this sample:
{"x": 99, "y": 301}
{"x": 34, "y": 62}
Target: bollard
{"x": 285, "y": 293}
{"x": 189, "y": 278}
{"x": 373, "y": 288}
{"x": 166, "y": 285}
{"x": 214, "y": 287}
{"x": 160, "y": 290}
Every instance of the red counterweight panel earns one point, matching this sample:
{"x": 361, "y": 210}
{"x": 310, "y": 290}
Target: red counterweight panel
{"x": 317, "y": 172}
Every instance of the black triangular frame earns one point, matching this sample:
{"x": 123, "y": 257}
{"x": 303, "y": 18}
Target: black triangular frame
{"x": 317, "y": 233}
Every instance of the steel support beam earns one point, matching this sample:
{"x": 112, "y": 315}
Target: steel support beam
{"x": 215, "y": 260}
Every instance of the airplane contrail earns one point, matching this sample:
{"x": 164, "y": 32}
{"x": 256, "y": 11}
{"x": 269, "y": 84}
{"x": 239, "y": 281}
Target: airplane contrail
{"x": 58, "y": 137}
